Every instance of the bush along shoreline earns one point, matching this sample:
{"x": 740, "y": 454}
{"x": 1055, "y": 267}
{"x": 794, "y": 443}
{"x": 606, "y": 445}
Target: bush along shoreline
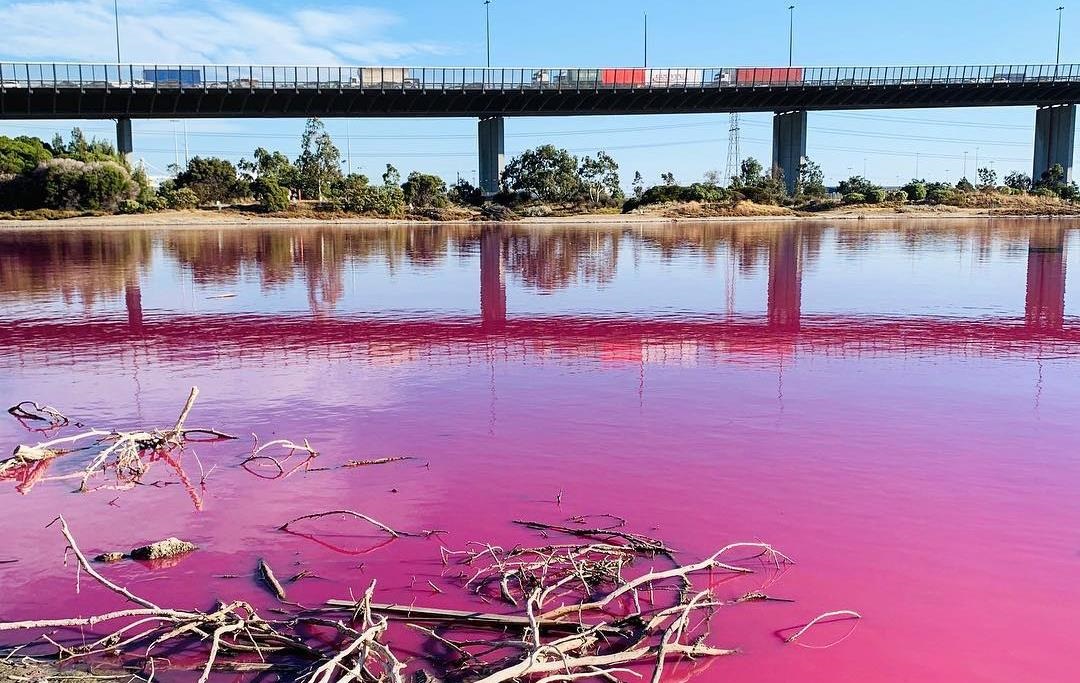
{"x": 77, "y": 177}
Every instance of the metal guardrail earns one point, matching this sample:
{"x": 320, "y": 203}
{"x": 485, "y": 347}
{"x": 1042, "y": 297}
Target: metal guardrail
{"x": 196, "y": 77}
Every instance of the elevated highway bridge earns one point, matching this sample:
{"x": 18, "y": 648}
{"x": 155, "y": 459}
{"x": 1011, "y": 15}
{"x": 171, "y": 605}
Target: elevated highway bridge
{"x": 145, "y": 91}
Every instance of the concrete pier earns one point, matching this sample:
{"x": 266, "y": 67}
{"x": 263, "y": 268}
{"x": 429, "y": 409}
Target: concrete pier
{"x": 1055, "y": 130}
{"x": 125, "y": 143}
{"x": 491, "y": 135}
{"x": 789, "y": 145}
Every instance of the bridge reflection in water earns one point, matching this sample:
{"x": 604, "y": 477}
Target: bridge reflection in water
{"x": 539, "y": 259}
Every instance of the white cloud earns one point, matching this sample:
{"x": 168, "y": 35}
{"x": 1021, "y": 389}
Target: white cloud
{"x": 172, "y": 32}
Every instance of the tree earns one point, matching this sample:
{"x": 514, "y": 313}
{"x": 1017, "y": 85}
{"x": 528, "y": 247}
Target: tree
{"x": 319, "y": 163}
{"x": 751, "y": 173}
{"x": 464, "y": 193}
{"x": 423, "y": 190}
{"x": 600, "y": 176}
{"x": 811, "y": 181}
{"x": 21, "y": 155}
{"x": 212, "y": 180}
{"x": 1018, "y": 181}
{"x": 856, "y": 184}
{"x": 392, "y": 176}
{"x": 964, "y": 185}
{"x": 668, "y": 179}
{"x": 546, "y": 173}
{"x": 713, "y": 178}
{"x": 81, "y": 149}
{"x": 638, "y": 184}
{"x": 266, "y": 164}
{"x": 987, "y": 179}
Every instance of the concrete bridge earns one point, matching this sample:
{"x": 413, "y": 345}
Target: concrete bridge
{"x": 132, "y": 91}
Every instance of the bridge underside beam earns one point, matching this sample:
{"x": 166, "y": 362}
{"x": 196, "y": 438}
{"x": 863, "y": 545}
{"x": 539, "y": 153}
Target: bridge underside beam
{"x": 1055, "y": 129}
{"x": 491, "y": 135}
{"x": 789, "y": 144}
{"x": 125, "y": 143}
{"x": 94, "y": 102}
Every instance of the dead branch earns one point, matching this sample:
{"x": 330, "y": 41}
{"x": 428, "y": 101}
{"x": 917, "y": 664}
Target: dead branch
{"x": 350, "y": 513}
{"x": 816, "y": 620}
{"x": 126, "y": 453}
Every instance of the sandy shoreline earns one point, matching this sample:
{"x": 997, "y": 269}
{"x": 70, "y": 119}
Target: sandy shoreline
{"x": 209, "y": 219}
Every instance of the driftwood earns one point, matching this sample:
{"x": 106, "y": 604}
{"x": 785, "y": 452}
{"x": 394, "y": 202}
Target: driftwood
{"x": 575, "y": 611}
{"x": 128, "y": 454}
{"x": 266, "y": 574}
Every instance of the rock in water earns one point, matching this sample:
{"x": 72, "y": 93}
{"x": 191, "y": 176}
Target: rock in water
{"x": 170, "y": 547}
{"x": 109, "y": 557}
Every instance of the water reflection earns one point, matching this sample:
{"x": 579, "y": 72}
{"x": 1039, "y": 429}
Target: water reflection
{"x": 85, "y": 269}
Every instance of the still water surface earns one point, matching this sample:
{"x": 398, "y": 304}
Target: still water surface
{"x": 892, "y": 404}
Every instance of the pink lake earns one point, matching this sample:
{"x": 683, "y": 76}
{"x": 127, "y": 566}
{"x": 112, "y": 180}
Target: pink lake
{"x": 893, "y": 404}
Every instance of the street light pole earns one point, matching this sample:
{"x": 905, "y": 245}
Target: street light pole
{"x": 1060, "y": 11}
{"x": 487, "y": 20}
{"x": 646, "y": 64}
{"x": 791, "y": 35}
{"x": 116, "y": 21}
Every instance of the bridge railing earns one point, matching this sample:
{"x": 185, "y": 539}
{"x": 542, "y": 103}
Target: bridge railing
{"x": 185, "y": 77}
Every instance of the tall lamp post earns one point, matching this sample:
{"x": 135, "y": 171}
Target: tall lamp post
{"x": 791, "y": 35}
{"x": 1060, "y": 11}
{"x": 487, "y": 23}
{"x": 646, "y": 35}
{"x": 116, "y": 22}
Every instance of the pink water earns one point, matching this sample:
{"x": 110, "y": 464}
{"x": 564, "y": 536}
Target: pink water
{"x": 894, "y": 405}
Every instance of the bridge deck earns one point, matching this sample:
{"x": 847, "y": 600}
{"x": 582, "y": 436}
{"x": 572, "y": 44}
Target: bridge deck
{"x": 161, "y": 91}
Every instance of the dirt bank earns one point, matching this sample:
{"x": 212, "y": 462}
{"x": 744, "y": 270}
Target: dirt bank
{"x": 684, "y": 213}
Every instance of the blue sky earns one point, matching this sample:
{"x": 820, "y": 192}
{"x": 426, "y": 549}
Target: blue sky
{"x": 888, "y": 145}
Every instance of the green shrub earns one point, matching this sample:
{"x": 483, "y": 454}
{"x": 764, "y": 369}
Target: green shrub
{"x": 940, "y": 193}
{"x": 898, "y": 196}
{"x": 385, "y": 200}
{"x": 916, "y": 190}
{"x": 95, "y": 186}
{"x": 130, "y": 206}
{"x": 1045, "y": 192}
{"x": 154, "y": 203}
{"x": 270, "y": 194}
{"x": 854, "y": 198}
{"x": 21, "y": 155}
{"x": 876, "y": 196}
{"x": 178, "y": 197}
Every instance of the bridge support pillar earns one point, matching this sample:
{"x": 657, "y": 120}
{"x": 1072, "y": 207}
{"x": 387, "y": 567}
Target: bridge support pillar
{"x": 789, "y": 145}
{"x": 125, "y": 143}
{"x": 1055, "y": 128}
{"x": 492, "y": 142}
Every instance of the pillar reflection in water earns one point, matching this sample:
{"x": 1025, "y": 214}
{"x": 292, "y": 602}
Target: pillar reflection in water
{"x": 133, "y": 303}
{"x": 785, "y": 280}
{"x": 492, "y": 278}
{"x": 1044, "y": 307}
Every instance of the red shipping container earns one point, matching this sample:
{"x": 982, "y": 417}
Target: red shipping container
{"x": 623, "y": 77}
{"x": 767, "y": 76}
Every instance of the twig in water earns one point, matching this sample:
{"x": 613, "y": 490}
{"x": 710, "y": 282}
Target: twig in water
{"x": 823, "y": 617}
